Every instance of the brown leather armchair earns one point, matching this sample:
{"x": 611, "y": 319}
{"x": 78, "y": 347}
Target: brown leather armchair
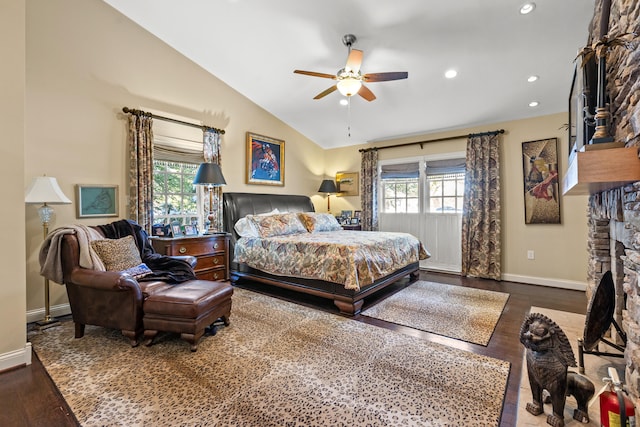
{"x": 105, "y": 298}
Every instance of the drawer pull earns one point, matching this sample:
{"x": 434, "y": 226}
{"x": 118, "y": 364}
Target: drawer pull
{"x": 215, "y": 260}
{"x": 215, "y": 245}
{"x": 182, "y": 250}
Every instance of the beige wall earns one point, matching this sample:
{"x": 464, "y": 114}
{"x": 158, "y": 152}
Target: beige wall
{"x": 85, "y": 61}
{"x": 560, "y": 250}
{"x": 12, "y": 139}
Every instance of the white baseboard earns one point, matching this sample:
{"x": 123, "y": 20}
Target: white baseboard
{"x": 16, "y": 358}
{"x": 543, "y": 281}
{"x": 56, "y": 311}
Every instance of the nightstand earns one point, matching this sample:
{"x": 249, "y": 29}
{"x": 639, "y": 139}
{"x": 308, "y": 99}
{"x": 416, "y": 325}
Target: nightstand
{"x": 212, "y": 251}
{"x": 351, "y": 227}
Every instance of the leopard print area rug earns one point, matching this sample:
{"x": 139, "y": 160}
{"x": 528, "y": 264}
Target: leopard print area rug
{"x": 458, "y": 312}
{"x": 277, "y": 364}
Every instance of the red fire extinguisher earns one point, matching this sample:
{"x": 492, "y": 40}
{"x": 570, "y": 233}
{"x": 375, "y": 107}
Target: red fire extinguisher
{"x": 612, "y": 400}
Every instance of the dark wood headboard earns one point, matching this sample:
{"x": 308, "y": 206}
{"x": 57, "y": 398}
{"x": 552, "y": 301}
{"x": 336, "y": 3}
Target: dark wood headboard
{"x": 239, "y": 205}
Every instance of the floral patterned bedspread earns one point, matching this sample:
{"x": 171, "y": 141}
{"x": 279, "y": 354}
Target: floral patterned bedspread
{"x": 350, "y": 258}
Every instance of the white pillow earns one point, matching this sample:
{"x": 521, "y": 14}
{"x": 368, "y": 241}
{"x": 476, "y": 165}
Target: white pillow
{"x": 246, "y": 228}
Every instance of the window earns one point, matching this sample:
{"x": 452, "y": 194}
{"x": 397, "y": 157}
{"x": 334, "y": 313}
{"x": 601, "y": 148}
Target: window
{"x": 400, "y": 188}
{"x": 446, "y": 192}
{"x": 400, "y": 195}
{"x": 174, "y": 195}
{"x": 434, "y": 186}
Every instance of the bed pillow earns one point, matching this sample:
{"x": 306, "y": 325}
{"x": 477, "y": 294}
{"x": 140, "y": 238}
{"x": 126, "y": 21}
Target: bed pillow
{"x": 277, "y": 225}
{"x": 319, "y": 222}
{"x": 117, "y": 254}
{"x": 246, "y": 228}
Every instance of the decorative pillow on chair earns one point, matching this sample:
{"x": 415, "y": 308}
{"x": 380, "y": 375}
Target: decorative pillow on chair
{"x": 277, "y": 225}
{"x": 319, "y": 222}
{"x": 117, "y": 254}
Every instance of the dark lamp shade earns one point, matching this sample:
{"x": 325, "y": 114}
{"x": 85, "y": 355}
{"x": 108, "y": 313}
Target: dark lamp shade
{"x": 327, "y": 186}
{"x": 209, "y": 174}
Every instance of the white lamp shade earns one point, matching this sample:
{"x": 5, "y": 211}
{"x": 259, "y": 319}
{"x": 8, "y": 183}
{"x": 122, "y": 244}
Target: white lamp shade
{"x": 45, "y": 189}
{"x": 349, "y": 86}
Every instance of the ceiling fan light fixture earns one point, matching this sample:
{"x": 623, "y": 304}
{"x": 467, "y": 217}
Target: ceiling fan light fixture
{"x": 349, "y": 86}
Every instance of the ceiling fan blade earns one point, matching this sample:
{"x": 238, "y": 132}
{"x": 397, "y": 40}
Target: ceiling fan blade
{"x": 383, "y": 77}
{"x": 366, "y": 93}
{"x": 326, "y": 92}
{"x": 313, "y": 73}
{"x": 354, "y": 60}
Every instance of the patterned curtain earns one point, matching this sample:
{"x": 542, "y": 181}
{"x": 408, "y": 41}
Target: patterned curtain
{"x": 481, "y": 250}
{"x": 211, "y": 147}
{"x": 369, "y": 190}
{"x": 141, "y": 170}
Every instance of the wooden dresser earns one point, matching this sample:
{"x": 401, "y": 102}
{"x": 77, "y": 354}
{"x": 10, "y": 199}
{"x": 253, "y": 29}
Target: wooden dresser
{"x": 212, "y": 251}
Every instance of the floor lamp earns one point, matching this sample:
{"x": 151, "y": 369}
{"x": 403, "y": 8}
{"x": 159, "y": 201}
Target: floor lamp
{"x": 328, "y": 186}
{"x": 45, "y": 190}
{"x": 210, "y": 174}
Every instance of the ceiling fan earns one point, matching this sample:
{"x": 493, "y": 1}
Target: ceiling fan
{"x": 350, "y": 79}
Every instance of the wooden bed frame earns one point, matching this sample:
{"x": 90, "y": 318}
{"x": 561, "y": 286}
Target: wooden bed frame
{"x": 349, "y": 302}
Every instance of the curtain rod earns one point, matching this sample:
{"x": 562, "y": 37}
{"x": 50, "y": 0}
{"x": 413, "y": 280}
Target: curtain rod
{"x": 470, "y": 135}
{"x": 135, "y": 112}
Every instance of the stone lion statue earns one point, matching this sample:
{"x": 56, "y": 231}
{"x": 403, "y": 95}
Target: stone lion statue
{"x": 549, "y": 355}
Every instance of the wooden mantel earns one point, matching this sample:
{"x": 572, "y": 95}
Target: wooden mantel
{"x": 593, "y": 171}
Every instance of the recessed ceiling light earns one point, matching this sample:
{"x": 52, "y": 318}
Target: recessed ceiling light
{"x": 534, "y": 104}
{"x": 532, "y": 79}
{"x": 450, "y": 74}
{"x": 527, "y": 8}
{"x": 344, "y": 101}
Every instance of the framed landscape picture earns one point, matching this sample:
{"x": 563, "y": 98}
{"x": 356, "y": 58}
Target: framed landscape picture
{"x": 541, "y": 186}
{"x": 93, "y": 201}
{"x": 265, "y": 160}
{"x": 347, "y": 183}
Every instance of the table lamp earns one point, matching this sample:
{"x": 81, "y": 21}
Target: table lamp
{"x": 210, "y": 174}
{"x": 328, "y": 186}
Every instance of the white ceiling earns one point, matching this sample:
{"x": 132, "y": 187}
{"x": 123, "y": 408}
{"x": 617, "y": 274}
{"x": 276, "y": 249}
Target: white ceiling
{"x": 254, "y": 46}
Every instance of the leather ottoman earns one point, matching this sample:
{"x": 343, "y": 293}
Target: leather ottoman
{"x": 186, "y": 308}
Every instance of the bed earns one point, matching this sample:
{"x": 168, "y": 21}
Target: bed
{"x": 348, "y": 293}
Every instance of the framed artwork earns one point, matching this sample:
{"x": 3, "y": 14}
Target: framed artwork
{"x": 357, "y": 214}
{"x": 346, "y": 214}
{"x": 265, "y": 160}
{"x": 93, "y": 201}
{"x": 541, "y": 181}
{"x": 347, "y": 183}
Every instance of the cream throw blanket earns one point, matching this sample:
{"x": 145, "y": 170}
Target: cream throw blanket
{"x": 49, "y": 257}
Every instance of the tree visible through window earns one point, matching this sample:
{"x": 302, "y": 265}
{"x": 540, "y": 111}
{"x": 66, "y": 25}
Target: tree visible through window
{"x": 174, "y": 195}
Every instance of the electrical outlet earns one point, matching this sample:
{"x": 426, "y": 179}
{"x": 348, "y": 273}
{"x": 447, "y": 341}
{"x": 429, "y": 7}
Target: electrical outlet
{"x": 531, "y": 255}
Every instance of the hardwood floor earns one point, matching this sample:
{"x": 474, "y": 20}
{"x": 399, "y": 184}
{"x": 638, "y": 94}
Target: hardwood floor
{"x": 29, "y": 398}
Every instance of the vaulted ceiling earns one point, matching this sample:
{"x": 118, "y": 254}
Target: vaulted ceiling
{"x": 255, "y": 45}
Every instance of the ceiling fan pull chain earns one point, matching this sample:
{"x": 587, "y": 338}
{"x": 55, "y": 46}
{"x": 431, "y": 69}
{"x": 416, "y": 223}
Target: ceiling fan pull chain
{"x": 349, "y": 116}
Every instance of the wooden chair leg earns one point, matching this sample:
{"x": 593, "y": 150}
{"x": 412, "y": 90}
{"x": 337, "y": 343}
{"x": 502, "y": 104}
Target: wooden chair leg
{"x": 79, "y": 330}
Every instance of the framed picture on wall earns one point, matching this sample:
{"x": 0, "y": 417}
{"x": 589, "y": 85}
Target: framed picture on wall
{"x": 541, "y": 182}
{"x": 265, "y": 160}
{"x": 95, "y": 200}
{"x": 347, "y": 183}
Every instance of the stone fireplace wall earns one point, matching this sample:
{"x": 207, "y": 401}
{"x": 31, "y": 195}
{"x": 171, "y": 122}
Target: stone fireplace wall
{"x": 614, "y": 215}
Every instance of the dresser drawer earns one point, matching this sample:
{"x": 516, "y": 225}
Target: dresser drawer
{"x": 197, "y": 247}
{"x": 219, "y": 274}
{"x": 211, "y": 261}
